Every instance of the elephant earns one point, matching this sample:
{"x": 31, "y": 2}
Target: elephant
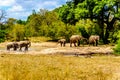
{"x": 94, "y": 39}
{"x": 25, "y": 44}
{"x": 62, "y": 42}
{"x": 13, "y": 45}
{"x": 75, "y": 39}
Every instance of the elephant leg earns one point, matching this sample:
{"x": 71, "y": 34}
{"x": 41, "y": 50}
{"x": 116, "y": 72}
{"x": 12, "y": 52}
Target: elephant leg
{"x": 74, "y": 44}
{"x": 14, "y": 48}
{"x": 26, "y": 48}
{"x": 64, "y": 44}
{"x": 20, "y": 49}
{"x": 61, "y": 44}
{"x": 7, "y": 48}
{"x": 78, "y": 43}
{"x": 96, "y": 43}
{"x": 70, "y": 44}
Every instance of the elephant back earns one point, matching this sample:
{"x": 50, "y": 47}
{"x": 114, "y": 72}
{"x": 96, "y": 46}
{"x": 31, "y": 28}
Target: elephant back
{"x": 24, "y": 43}
{"x": 10, "y": 44}
{"x": 75, "y": 38}
{"x": 13, "y": 45}
{"x": 62, "y": 40}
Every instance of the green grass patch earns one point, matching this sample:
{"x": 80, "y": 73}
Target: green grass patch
{"x": 57, "y": 67}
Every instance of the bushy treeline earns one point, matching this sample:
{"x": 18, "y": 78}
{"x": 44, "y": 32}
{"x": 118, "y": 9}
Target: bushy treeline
{"x": 46, "y": 23}
{"x": 75, "y": 17}
{"x": 43, "y": 23}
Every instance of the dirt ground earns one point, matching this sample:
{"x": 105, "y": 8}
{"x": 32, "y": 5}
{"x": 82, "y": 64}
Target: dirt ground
{"x": 54, "y": 48}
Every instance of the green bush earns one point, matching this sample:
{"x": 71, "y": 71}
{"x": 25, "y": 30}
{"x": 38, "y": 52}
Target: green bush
{"x": 117, "y": 48}
{"x": 2, "y": 35}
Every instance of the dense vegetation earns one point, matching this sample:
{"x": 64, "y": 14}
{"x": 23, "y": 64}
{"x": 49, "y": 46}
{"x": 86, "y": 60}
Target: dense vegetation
{"x": 84, "y": 17}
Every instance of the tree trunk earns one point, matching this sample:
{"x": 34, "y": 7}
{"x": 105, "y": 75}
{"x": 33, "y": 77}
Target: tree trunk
{"x": 106, "y": 36}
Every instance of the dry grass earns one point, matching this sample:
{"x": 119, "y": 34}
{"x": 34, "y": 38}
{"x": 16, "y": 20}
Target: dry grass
{"x": 15, "y": 65}
{"x": 58, "y": 67}
{"x": 39, "y": 39}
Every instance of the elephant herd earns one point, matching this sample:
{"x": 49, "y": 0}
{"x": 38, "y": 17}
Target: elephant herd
{"x": 74, "y": 39}
{"x": 93, "y": 39}
{"x": 20, "y": 45}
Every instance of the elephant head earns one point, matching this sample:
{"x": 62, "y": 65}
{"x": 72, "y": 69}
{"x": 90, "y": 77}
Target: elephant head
{"x": 62, "y": 42}
{"x": 94, "y": 39}
{"x": 75, "y": 39}
{"x": 25, "y": 44}
{"x": 13, "y": 45}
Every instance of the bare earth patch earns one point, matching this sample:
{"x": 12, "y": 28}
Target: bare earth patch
{"x": 54, "y": 48}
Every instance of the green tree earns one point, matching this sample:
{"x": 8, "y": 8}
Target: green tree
{"x": 18, "y": 32}
{"x": 103, "y": 12}
{"x": 21, "y": 22}
{"x": 67, "y": 14}
{"x": 10, "y": 26}
{"x": 117, "y": 47}
{"x": 86, "y": 28}
{"x": 3, "y": 30}
{"x": 33, "y": 24}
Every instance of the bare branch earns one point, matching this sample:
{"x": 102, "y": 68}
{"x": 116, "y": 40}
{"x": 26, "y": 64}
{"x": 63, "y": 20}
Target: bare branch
{"x": 2, "y": 16}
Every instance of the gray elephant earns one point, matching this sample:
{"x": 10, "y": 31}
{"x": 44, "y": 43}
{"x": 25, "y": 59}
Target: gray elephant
{"x": 75, "y": 39}
{"x": 94, "y": 39}
{"x": 25, "y": 44}
{"x": 13, "y": 45}
{"x": 62, "y": 42}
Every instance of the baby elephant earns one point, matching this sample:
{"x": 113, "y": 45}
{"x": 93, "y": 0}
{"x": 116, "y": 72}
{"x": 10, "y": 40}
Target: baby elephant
{"x": 93, "y": 39}
{"x": 62, "y": 42}
{"x": 13, "y": 45}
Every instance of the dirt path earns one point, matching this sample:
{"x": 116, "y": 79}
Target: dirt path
{"x": 54, "y": 48}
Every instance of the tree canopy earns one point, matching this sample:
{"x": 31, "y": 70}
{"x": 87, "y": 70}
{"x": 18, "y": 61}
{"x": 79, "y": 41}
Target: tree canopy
{"x": 103, "y": 12}
{"x": 84, "y": 17}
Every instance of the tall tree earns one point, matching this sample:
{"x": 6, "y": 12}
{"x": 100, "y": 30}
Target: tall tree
{"x": 2, "y": 26}
{"x": 67, "y": 14}
{"x": 104, "y": 12}
{"x": 33, "y": 24}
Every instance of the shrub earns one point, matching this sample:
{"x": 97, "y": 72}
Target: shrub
{"x": 117, "y": 48}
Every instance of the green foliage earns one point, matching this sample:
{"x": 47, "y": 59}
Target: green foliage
{"x": 85, "y": 17}
{"x": 3, "y": 32}
{"x": 66, "y": 14}
{"x": 87, "y": 28}
{"x": 103, "y": 12}
{"x": 33, "y": 25}
{"x": 18, "y": 33}
{"x": 21, "y": 22}
{"x": 2, "y": 35}
{"x": 117, "y": 48}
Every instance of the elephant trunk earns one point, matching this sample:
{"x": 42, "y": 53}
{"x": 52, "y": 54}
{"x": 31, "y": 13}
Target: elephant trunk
{"x": 29, "y": 44}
